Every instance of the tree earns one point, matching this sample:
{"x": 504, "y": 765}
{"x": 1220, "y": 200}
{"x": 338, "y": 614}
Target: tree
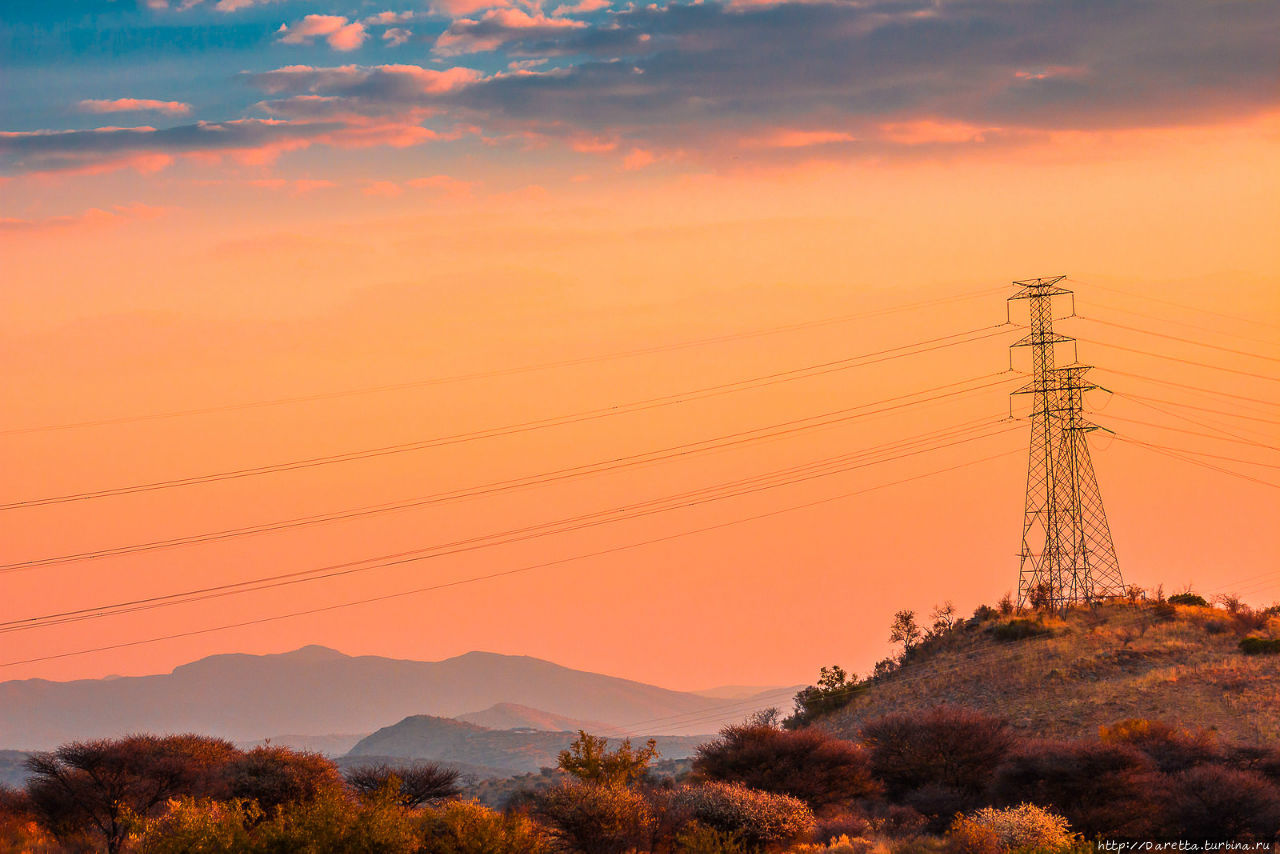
{"x": 905, "y": 631}
{"x": 273, "y": 776}
{"x": 589, "y": 760}
{"x": 808, "y": 764}
{"x": 944, "y": 619}
{"x": 834, "y": 691}
{"x": 410, "y": 786}
{"x": 102, "y": 786}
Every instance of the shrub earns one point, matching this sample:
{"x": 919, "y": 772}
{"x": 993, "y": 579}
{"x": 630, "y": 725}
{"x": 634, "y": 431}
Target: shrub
{"x": 1102, "y": 789}
{"x": 466, "y": 827}
{"x": 758, "y": 818}
{"x": 944, "y": 746}
{"x": 1260, "y": 646}
{"x": 1002, "y": 831}
{"x": 1019, "y": 630}
{"x": 809, "y": 764}
{"x": 588, "y": 759}
{"x": 197, "y": 826}
{"x": 1170, "y": 748}
{"x": 274, "y": 776}
{"x": 985, "y": 614}
{"x": 19, "y": 829}
{"x": 96, "y": 787}
{"x": 595, "y": 819}
{"x": 1188, "y": 598}
{"x": 411, "y": 786}
{"x": 842, "y": 844}
{"x": 697, "y": 838}
{"x": 332, "y": 823}
{"x": 1223, "y": 804}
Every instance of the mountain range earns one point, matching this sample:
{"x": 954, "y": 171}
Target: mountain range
{"x": 316, "y": 691}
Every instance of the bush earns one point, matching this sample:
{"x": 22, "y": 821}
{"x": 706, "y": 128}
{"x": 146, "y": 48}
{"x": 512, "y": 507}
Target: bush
{"x": 809, "y": 764}
{"x": 335, "y": 824}
{"x": 835, "y": 690}
{"x": 411, "y": 786}
{"x": 1002, "y": 831}
{"x": 274, "y": 776}
{"x": 588, "y": 760}
{"x": 1170, "y": 748}
{"x": 97, "y": 787}
{"x": 1223, "y": 805}
{"x": 1109, "y": 790}
{"x": 595, "y": 819}
{"x": 1019, "y": 630}
{"x": 1188, "y": 598}
{"x": 1260, "y": 646}
{"x": 757, "y": 818}
{"x": 20, "y": 830}
{"x": 956, "y": 749}
{"x": 697, "y": 838}
{"x": 197, "y": 826}
{"x": 467, "y": 827}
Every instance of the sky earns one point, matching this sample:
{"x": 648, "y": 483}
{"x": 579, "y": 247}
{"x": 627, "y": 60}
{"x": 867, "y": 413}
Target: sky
{"x": 661, "y": 340}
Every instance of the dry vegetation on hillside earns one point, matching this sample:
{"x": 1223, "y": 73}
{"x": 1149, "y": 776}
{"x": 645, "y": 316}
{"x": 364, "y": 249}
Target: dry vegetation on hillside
{"x": 1181, "y": 664}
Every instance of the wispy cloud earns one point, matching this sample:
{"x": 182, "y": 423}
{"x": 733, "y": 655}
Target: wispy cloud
{"x": 130, "y": 105}
{"x": 336, "y": 30}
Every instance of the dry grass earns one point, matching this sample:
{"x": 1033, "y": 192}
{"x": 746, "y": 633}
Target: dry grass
{"x": 1098, "y": 666}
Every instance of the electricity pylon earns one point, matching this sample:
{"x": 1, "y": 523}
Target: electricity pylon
{"x": 1067, "y": 555}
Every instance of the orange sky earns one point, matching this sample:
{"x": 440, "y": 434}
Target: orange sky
{"x": 134, "y": 292}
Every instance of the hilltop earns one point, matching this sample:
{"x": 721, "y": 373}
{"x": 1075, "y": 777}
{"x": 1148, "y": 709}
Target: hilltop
{"x": 1066, "y": 676}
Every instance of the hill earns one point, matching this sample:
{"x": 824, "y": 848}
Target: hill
{"x": 319, "y": 691}
{"x": 516, "y": 716}
{"x": 1065, "y": 677}
{"x": 514, "y": 751}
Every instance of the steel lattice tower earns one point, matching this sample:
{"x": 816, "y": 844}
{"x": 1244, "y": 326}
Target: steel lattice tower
{"x": 1067, "y": 555}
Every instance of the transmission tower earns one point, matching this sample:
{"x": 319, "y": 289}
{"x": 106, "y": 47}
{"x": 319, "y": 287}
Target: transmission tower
{"x": 1067, "y": 555}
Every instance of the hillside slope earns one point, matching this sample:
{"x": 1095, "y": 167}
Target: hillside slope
{"x": 1181, "y": 665}
{"x": 516, "y": 716}
{"x": 319, "y": 691}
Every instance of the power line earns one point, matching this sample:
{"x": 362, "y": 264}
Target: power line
{"x": 603, "y": 412}
{"x": 717, "y": 492}
{"x": 505, "y": 573}
{"x": 1234, "y": 335}
{"x": 1176, "y": 338}
{"x": 1183, "y": 361}
{"x": 1189, "y": 387}
{"x": 1141, "y": 398}
{"x": 500, "y": 372}
{"x": 1249, "y": 442}
{"x": 767, "y": 433}
{"x": 1147, "y": 297}
{"x": 1170, "y": 452}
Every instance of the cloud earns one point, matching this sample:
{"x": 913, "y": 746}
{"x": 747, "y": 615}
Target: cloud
{"x": 396, "y": 36}
{"x": 791, "y": 138}
{"x": 458, "y": 8}
{"x": 387, "y": 19}
{"x": 340, "y": 33}
{"x": 90, "y": 216}
{"x": 383, "y": 189}
{"x": 638, "y": 158}
{"x": 253, "y": 141}
{"x": 452, "y": 187}
{"x": 125, "y": 105}
{"x": 582, "y": 7}
{"x": 498, "y": 28}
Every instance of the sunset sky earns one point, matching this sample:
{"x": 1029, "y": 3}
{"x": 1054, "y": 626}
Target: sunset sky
{"x": 558, "y": 237}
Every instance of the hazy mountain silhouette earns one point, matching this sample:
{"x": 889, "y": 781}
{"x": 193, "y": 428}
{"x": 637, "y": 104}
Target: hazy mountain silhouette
{"x": 514, "y": 751}
{"x": 516, "y": 716}
{"x": 318, "y": 691}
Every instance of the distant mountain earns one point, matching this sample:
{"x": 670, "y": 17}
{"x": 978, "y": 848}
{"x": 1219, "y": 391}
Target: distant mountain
{"x": 318, "y": 691}
{"x": 516, "y": 751}
{"x": 332, "y": 745}
{"x": 516, "y": 716}
{"x": 742, "y": 692}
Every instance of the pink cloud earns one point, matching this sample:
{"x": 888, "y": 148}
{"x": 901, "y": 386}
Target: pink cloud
{"x": 396, "y": 36}
{"x": 495, "y": 28}
{"x": 788, "y": 138}
{"x": 449, "y": 186}
{"x": 582, "y": 7}
{"x": 457, "y": 8}
{"x": 90, "y": 216}
{"x": 925, "y": 131}
{"x": 127, "y": 105}
{"x": 383, "y": 189}
{"x": 296, "y": 187}
{"x": 593, "y": 145}
{"x": 387, "y": 19}
{"x": 393, "y": 80}
{"x": 334, "y": 29}
{"x": 638, "y": 158}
